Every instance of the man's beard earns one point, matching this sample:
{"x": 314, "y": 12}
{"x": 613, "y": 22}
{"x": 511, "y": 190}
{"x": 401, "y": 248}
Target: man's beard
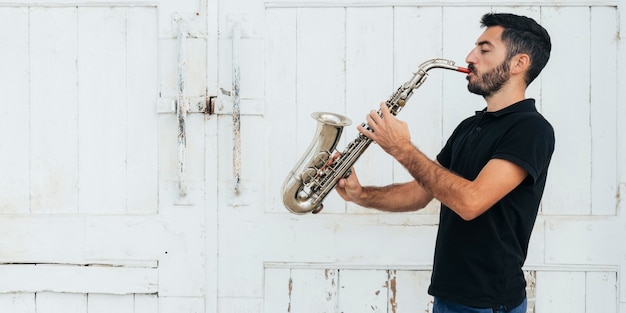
{"x": 489, "y": 83}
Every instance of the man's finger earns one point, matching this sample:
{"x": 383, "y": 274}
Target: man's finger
{"x": 385, "y": 110}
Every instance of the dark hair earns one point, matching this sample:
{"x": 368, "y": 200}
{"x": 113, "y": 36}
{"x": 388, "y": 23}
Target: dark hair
{"x": 522, "y": 35}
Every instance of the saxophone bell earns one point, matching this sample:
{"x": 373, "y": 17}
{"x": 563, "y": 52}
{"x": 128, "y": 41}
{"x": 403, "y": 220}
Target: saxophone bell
{"x": 301, "y": 188}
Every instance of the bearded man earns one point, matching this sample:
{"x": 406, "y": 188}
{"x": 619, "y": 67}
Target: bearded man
{"x": 489, "y": 176}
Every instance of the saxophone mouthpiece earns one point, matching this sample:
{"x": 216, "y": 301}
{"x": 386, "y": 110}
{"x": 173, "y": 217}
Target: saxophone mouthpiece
{"x": 463, "y": 70}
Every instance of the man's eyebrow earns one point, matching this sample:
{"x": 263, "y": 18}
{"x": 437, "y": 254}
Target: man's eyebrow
{"x": 484, "y": 42}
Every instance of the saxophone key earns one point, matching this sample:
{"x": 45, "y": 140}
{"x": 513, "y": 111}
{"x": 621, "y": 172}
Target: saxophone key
{"x": 321, "y": 159}
{"x": 308, "y": 175}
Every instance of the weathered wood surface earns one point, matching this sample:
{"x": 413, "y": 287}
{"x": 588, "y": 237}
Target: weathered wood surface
{"x": 90, "y": 215}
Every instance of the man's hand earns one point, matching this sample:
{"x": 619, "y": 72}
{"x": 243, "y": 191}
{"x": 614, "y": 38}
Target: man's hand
{"x": 350, "y": 188}
{"x": 391, "y": 134}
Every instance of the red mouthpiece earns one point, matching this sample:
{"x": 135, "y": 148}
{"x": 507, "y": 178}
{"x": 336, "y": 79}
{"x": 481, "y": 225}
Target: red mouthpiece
{"x": 463, "y": 70}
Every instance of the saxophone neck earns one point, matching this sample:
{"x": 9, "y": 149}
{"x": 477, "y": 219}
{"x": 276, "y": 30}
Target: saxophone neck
{"x": 442, "y": 63}
{"x": 421, "y": 74}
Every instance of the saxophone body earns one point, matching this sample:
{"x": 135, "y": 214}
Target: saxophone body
{"x": 321, "y": 167}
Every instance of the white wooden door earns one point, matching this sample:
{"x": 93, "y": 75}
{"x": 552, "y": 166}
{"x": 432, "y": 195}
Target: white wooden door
{"x": 104, "y": 208}
{"x": 90, "y": 220}
{"x": 348, "y": 259}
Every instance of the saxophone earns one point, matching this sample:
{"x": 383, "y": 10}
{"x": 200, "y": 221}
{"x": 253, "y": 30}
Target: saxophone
{"x": 320, "y": 168}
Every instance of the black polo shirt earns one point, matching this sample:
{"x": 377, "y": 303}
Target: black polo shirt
{"x": 479, "y": 262}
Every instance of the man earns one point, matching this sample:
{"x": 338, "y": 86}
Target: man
{"x": 489, "y": 177}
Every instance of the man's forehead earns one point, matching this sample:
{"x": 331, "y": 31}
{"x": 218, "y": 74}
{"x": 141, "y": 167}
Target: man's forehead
{"x": 491, "y": 36}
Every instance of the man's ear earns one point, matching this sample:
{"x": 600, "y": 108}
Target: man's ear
{"x": 519, "y": 63}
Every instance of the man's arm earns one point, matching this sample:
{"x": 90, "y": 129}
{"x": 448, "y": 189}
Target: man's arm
{"x": 468, "y": 199}
{"x": 405, "y": 197}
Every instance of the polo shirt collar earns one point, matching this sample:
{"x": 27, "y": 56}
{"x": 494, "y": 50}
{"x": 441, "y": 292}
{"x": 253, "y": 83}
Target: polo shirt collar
{"x": 526, "y": 105}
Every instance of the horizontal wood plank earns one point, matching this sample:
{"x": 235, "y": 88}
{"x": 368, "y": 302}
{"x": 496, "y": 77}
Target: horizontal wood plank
{"x": 76, "y": 278}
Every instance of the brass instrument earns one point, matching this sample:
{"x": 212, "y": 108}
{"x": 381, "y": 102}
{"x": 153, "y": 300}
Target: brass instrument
{"x": 319, "y": 169}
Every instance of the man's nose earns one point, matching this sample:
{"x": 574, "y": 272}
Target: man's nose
{"x": 470, "y": 58}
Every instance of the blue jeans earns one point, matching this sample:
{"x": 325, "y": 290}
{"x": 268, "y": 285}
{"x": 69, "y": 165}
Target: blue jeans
{"x": 445, "y": 306}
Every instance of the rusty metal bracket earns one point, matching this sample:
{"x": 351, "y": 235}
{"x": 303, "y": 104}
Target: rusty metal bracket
{"x": 209, "y": 108}
{"x": 186, "y": 26}
{"x": 182, "y": 105}
{"x": 236, "y": 107}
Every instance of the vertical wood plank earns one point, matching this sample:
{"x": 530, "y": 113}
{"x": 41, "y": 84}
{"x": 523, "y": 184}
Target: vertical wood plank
{"x": 102, "y": 109}
{"x": 17, "y": 302}
{"x": 105, "y": 303}
{"x": 320, "y": 76}
{"x": 196, "y": 67}
{"x": 53, "y": 113}
{"x": 314, "y": 290}
{"x": 566, "y": 106}
{"x": 281, "y": 106}
{"x": 369, "y": 81}
{"x": 253, "y": 161}
{"x": 363, "y": 291}
{"x": 560, "y": 291}
{"x": 601, "y": 292}
{"x": 277, "y": 290}
{"x": 621, "y": 113}
{"x": 211, "y": 231}
{"x": 240, "y": 275}
{"x": 141, "y": 93}
{"x": 604, "y": 142}
{"x": 181, "y": 263}
{"x": 168, "y": 67}
{"x": 14, "y": 111}
{"x": 51, "y": 302}
{"x": 146, "y": 303}
{"x": 168, "y": 158}
{"x": 409, "y": 291}
{"x": 621, "y": 135}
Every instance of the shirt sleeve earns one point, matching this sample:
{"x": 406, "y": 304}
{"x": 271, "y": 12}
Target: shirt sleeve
{"x": 529, "y": 144}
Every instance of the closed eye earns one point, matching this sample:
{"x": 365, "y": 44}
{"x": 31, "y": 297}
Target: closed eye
{"x": 484, "y": 46}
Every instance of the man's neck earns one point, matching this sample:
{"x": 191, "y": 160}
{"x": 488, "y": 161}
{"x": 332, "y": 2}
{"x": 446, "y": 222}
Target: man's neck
{"x": 504, "y": 98}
